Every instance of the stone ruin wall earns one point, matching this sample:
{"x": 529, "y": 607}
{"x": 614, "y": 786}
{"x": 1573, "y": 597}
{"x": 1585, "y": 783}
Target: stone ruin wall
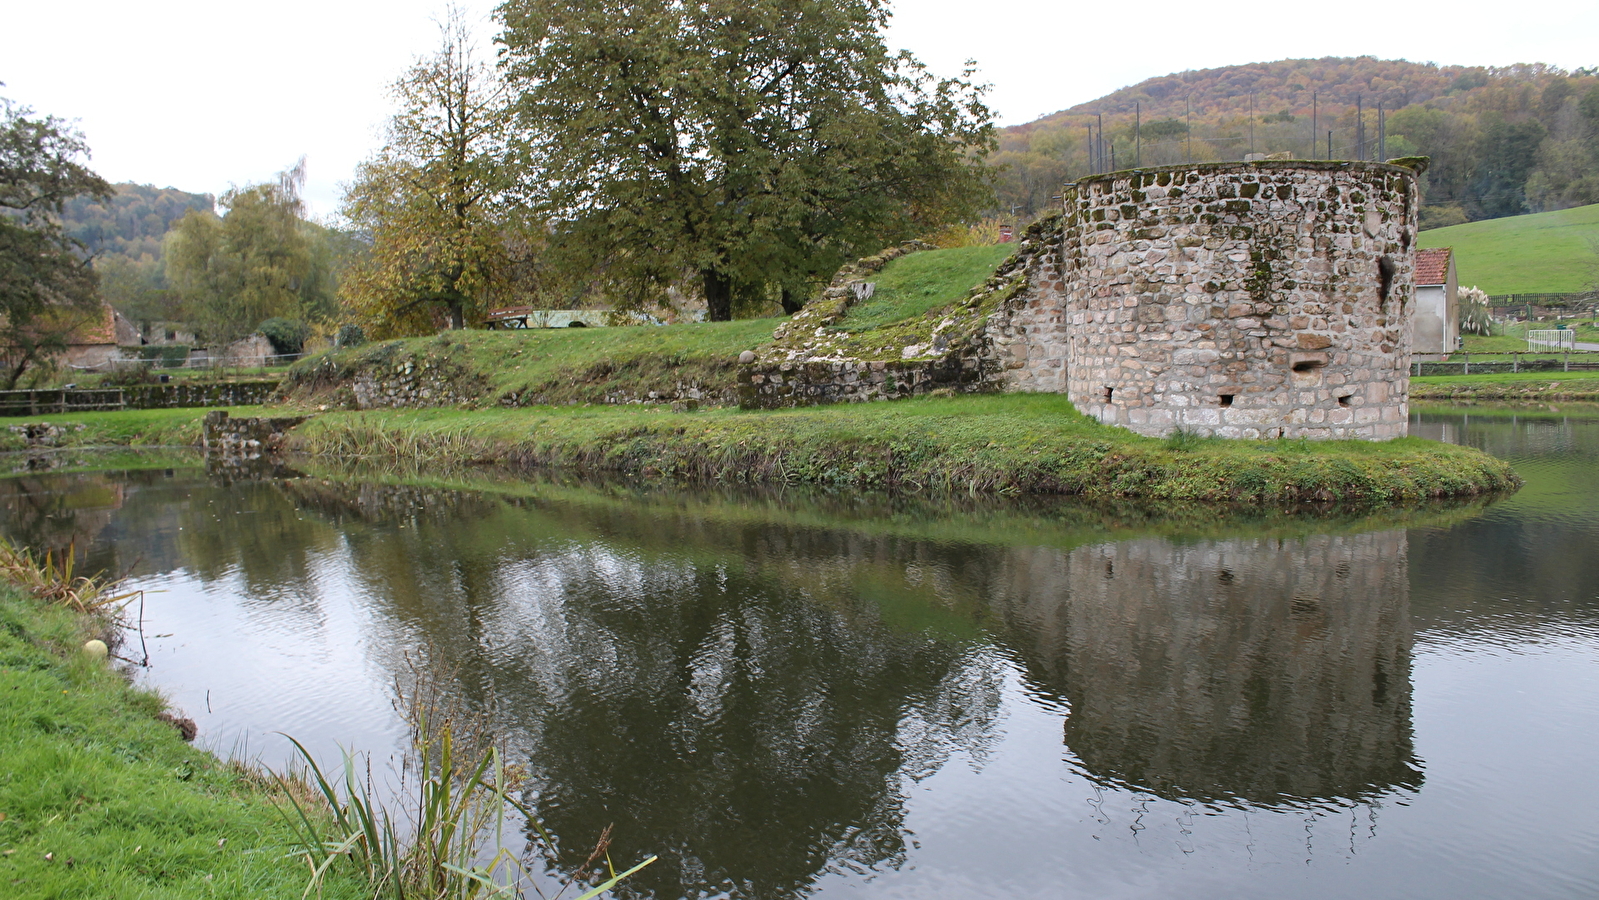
{"x": 1027, "y": 335}
{"x": 1246, "y": 300}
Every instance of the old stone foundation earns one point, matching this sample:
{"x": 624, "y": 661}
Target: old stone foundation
{"x": 1252, "y": 300}
{"x": 249, "y": 438}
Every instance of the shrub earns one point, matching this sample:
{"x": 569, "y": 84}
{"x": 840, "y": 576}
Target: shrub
{"x": 287, "y": 335}
{"x": 349, "y": 336}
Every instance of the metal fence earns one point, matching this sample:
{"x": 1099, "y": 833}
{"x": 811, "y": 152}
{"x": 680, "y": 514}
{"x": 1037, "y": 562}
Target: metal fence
{"x": 200, "y": 361}
{"x": 1559, "y": 338}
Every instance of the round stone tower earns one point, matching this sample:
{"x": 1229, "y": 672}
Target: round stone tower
{"x": 1257, "y": 300}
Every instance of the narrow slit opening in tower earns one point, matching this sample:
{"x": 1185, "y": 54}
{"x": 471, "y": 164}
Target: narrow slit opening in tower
{"x": 1308, "y": 365}
{"x": 1108, "y": 392}
{"x": 1225, "y": 399}
{"x": 1344, "y": 400}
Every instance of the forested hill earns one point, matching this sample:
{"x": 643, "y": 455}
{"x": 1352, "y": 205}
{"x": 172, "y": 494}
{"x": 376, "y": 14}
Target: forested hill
{"x": 132, "y": 222}
{"x": 1503, "y": 141}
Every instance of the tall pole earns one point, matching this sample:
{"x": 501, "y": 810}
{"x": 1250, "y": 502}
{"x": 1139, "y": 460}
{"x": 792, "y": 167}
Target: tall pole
{"x": 1138, "y": 136}
{"x": 1382, "y": 133}
{"x": 1101, "y": 117}
{"x": 1088, "y": 150}
{"x": 1360, "y": 128}
{"x": 1251, "y": 123}
{"x": 1329, "y": 143}
{"x": 1188, "y": 120}
{"x": 1313, "y": 128}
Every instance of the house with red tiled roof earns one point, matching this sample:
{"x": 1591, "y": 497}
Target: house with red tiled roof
{"x": 95, "y": 342}
{"x": 1436, "y": 321}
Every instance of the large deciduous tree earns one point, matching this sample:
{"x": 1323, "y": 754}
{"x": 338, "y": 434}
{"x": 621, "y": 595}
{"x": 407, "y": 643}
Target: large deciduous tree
{"x": 433, "y": 202}
{"x": 47, "y": 287}
{"x": 259, "y": 261}
{"x": 750, "y": 145}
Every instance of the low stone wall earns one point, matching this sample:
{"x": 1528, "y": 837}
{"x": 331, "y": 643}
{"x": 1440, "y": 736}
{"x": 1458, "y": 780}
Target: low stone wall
{"x": 410, "y": 383}
{"x": 248, "y": 437}
{"x": 45, "y": 402}
{"x": 176, "y": 395}
{"x": 814, "y": 382}
{"x": 191, "y": 395}
{"x": 1500, "y": 366}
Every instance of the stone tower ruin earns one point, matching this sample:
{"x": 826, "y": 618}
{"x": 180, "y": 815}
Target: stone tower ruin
{"x": 1264, "y": 299}
{"x": 1259, "y": 299}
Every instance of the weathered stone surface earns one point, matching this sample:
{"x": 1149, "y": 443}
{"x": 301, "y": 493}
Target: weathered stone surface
{"x": 1305, "y": 270}
{"x": 249, "y": 438}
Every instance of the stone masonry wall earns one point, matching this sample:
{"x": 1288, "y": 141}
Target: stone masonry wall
{"x": 1255, "y": 300}
{"x": 812, "y": 363}
{"x": 1027, "y": 334}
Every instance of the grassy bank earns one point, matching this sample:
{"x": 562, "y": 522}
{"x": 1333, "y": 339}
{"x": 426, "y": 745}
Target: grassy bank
{"x": 1008, "y": 444}
{"x": 121, "y": 428}
{"x": 546, "y": 366}
{"x": 98, "y": 798}
{"x": 1538, "y": 387}
{"x": 1543, "y": 252}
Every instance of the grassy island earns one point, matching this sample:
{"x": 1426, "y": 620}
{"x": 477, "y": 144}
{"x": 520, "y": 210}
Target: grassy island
{"x": 1010, "y": 444}
{"x": 656, "y": 403}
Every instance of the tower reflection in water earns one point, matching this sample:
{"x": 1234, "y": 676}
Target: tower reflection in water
{"x": 1257, "y": 670}
{"x": 752, "y": 699}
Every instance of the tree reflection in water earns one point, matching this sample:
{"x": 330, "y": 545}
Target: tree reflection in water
{"x": 752, "y": 699}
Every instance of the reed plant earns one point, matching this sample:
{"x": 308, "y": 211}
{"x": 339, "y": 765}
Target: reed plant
{"x": 54, "y": 579}
{"x": 456, "y": 794}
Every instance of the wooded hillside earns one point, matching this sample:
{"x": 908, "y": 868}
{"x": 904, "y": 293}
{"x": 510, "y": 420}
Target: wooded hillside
{"x": 1503, "y": 141}
{"x": 132, "y": 222}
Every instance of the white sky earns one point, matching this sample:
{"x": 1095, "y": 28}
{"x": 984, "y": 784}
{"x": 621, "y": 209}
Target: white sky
{"x": 201, "y": 94}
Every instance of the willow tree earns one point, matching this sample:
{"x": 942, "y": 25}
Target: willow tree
{"x": 750, "y": 145}
{"x": 434, "y": 200}
{"x": 260, "y": 260}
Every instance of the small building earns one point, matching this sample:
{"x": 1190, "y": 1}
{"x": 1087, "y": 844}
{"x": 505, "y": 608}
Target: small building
{"x": 1436, "y": 320}
{"x": 96, "y": 343}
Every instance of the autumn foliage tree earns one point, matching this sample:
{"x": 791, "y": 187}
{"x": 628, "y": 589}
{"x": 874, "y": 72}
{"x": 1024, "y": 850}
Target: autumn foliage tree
{"x": 435, "y": 201}
{"x": 741, "y": 148}
{"x": 47, "y": 287}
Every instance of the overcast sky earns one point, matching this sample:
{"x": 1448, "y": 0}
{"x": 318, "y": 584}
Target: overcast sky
{"x": 201, "y": 94}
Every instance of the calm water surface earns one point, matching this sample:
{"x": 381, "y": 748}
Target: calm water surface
{"x": 819, "y": 696}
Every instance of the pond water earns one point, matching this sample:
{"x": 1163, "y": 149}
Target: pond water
{"x": 816, "y": 695}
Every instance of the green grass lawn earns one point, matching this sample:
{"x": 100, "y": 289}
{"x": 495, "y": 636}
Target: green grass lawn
{"x": 1587, "y": 377}
{"x": 910, "y": 286}
{"x": 99, "y": 799}
{"x": 1512, "y": 336}
{"x": 123, "y": 428}
{"x": 1544, "y": 252}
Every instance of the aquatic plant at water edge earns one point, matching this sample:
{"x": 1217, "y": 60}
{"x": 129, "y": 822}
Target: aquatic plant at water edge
{"x": 453, "y": 814}
{"x": 54, "y": 579}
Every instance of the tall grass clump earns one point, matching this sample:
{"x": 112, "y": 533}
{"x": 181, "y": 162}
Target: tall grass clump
{"x": 54, "y": 579}
{"x": 446, "y": 840}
